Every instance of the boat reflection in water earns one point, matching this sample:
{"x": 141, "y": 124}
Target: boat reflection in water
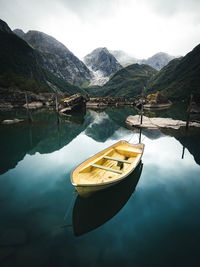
{"x": 90, "y": 213}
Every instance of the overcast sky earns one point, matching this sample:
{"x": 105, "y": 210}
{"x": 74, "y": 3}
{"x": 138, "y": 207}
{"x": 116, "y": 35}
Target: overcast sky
{"x": 138, "y": 27}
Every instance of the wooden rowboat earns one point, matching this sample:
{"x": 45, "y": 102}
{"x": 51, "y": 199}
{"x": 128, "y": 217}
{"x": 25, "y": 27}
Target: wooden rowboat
{"x": 108, "y": 167}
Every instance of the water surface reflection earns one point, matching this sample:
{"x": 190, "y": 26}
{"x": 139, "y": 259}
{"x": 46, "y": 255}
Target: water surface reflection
{"x": 90, "y": 213}
{"x": 157, "y": 225}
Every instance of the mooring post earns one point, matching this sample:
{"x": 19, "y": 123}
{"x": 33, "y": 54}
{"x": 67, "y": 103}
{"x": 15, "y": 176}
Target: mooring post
{"x": 183, "y": 153}
{"x": 140, "y": 135}
{"x": 58, "y": 127}
{"x": 188, "y": 112}
{"x": 56, "y": 100}
{"x": 142, "y": 108}
{"x": 28, "y": 111}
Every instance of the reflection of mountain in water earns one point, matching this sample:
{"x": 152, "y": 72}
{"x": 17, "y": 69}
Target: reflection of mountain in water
{"x": 90, "y": 213}
{"x": 101, "y": 128}
{"x": 192, "y": 143}
{"x": 119, "y": 115}
{"x": 44, "y": 135}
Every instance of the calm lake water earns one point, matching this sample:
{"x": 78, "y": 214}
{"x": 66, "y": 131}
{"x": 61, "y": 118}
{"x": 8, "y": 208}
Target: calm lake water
{"x": 151, "y": 219}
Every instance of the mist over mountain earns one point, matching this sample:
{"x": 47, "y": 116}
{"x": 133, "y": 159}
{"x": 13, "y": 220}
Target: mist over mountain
{"x": 123, "y": 58}
{"x": 157, "y": 61}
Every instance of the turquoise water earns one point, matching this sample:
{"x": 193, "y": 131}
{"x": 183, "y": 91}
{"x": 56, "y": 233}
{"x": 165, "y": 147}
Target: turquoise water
{"x": 151, "y": 219}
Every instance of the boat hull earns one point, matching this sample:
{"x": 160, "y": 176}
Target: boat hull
{"x": 86, "y": 191}
{"x": 84, "y": 176}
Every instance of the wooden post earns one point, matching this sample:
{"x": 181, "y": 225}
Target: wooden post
{"x": 140, "y": 135}
{"x": 58, "y": 127}
{"x": 56, "y": 99}
{"x": 188, "y": 112}
{"x": 142, "y": 108}
{"x": 28, "y": 111}
{"x": 183, "y": 153}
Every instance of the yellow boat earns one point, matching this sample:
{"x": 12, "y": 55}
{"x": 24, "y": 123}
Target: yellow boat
{"x": 108, "y": 167}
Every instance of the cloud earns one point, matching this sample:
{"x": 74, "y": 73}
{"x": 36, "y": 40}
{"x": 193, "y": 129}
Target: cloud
{"x": 139, "y": 27}
{"x": 91, "y": 8}
{"x": 171, "y": 8}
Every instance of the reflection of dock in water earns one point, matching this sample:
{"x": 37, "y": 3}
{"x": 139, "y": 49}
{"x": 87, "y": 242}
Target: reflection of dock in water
{"x": 90, "y": 213}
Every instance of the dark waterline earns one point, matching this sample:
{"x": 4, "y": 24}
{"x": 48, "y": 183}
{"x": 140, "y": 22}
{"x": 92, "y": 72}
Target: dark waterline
{"x": 152, "y": 219}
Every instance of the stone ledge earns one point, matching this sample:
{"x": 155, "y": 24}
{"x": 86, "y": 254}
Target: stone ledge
{"x": 156, "y": 123}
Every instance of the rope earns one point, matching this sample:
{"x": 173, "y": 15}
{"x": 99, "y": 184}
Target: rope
{"x": 130, "y": 138}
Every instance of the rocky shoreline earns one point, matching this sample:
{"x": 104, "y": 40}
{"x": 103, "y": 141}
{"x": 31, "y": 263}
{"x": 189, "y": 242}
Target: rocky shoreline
{"x": 15, "y": 98}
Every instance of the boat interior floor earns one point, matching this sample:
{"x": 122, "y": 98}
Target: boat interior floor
{"x": 108, "y": 167}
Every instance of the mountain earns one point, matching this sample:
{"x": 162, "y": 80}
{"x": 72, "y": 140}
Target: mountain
{"x": 21, "y": 66}
{"x": 57, "y": 58}
{"x": 4, "y": 27}
{"x": 180, "y": 77}
{"x": 102, "y": 63}
{"x": 19, "y": 32}
{"x": 158, "y": 61}
{"x": 126, "y": 82}
{"x": 123, "y": 58}
{"x": 17, "y": 57}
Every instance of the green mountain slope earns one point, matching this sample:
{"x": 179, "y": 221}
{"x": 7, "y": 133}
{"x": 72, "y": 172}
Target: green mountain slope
{"x": 180, "y": 77}
{"x": 20, "y": 66}
{"x": 127, "y": 82}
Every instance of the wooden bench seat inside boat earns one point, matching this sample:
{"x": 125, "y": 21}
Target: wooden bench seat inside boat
{"x": 117, "y": 159}
{"x": 106, "y": 168}
{"x": 127, "y": 150}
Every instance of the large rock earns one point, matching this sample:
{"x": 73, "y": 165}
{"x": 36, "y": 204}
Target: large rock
{"x": 156, "y": 123}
